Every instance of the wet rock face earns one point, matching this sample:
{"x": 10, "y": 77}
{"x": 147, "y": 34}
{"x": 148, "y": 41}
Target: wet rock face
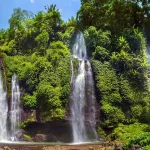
{"x": 19, "y": 134}
{"x": 28, "y": 114}
{"x": 40, "y": 138}
{"x": 53, "y": 131}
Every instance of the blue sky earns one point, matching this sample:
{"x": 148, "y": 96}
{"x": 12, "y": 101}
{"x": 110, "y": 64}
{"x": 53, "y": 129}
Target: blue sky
{"x": 67, "y": 8}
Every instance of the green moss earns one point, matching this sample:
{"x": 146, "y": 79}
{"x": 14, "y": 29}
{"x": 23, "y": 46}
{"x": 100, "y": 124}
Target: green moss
{"x": 75, "y": 65}
{"x": 86, "y": 67}
{"x": 25, "y": 123}
{"x": 31, "y": 119}
{"x": 101, "y": 132}
{"x": 27, "y": 136}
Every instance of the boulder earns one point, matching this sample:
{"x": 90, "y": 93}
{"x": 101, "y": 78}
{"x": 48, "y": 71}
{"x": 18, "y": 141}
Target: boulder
{"x": 40, "y": 138}
{"x": 118, "y": 146}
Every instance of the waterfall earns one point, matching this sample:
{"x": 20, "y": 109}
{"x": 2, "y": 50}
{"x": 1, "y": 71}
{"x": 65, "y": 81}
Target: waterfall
{"x": 3, "y": 112}
{"x": 91, "y": 101}
{"x": 83, "y": 101}
{"x": 15, "y": 113}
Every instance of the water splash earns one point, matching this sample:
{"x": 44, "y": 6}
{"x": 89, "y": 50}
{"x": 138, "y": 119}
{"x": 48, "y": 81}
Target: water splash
{"x": 79, "y": 98}
{"x": 3, "y": 112}
{"x": 15, "y": 112}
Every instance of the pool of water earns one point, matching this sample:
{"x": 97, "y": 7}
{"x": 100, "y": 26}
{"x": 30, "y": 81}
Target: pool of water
{"x": 49, "y": 143}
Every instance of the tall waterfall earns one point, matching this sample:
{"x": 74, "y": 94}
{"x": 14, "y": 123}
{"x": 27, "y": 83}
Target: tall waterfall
{"x": 3, "y": 112}
{"x": 15, "y": 113}
{"x": 82, "y": 95}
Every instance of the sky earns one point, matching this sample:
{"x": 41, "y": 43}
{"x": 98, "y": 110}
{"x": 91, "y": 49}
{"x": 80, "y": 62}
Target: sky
{"x": 67, "y": 8}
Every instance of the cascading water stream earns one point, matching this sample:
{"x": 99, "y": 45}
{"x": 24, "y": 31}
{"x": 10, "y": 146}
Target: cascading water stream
{"x": 15, "y": 112}
{"x": 81, "y": 84}
{"x": 3, "y": 112}
{"x": 91, "y": 101}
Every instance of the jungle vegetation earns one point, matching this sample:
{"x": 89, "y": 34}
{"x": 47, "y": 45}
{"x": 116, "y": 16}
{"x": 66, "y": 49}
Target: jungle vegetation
{"x": 37, "y": 47}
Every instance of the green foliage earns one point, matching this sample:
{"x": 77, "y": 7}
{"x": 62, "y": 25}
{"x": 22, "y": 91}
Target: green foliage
{"x": 146, "y": 112}
{"x": 121, "y": 67}
{"x": 64, "y": 73}
{"x": 107, "y": 82}
{"x": 49, "y": 103}
{"x": 123, "y": 44}
{"x": 135, "y": 40}
{"x": 126, "y": 132}
{"x": 112, "y": 114}
{"x": 136, "y": 111}
{"x": 121, "y": 61}
{"x": 27, "y": 136}
{"x": 101, "y": 54}
{"x": 56, "y": 51}
{"x": 45, "y": 80}
{"x": 126, "y": 91}
{"x": 75, "y": 63}
{"x": 101, "y": 132}
{"x": 114, "y": 15}
{"x": 146, "y": 147}
{"x": 142, "y": 139}
{"x": 42, "y": 41}
{"x": 96, "y": 38}
{"x": 66, "y": 36}
{"x": 36, "y": 48}
{"x": 120, "y": 99}
{"x": 30, "y": 100}
{"x": 27, "y": 122}
{"x": 108, "y": 88}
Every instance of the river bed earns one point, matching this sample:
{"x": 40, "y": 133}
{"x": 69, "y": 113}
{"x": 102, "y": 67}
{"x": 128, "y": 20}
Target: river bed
{"x": 49, "y": 146}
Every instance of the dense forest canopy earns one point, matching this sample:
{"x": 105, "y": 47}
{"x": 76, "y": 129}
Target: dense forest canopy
{"x": 37, "y": 47}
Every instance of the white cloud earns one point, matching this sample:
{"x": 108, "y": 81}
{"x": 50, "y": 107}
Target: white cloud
{"x": 32, "y": 1}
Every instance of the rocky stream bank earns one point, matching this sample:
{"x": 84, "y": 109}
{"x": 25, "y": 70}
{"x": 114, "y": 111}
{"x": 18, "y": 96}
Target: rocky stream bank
{"x": 105, "y": 146}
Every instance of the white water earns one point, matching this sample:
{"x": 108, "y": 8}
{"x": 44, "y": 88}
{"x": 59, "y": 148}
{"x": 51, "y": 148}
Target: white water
{"x": 91, "y": 101}
{"x": 15, "y": 113}
{"x": 3, "y": 112}
{"x": 148, "y": 53}
{"x": 80, "y": 82}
